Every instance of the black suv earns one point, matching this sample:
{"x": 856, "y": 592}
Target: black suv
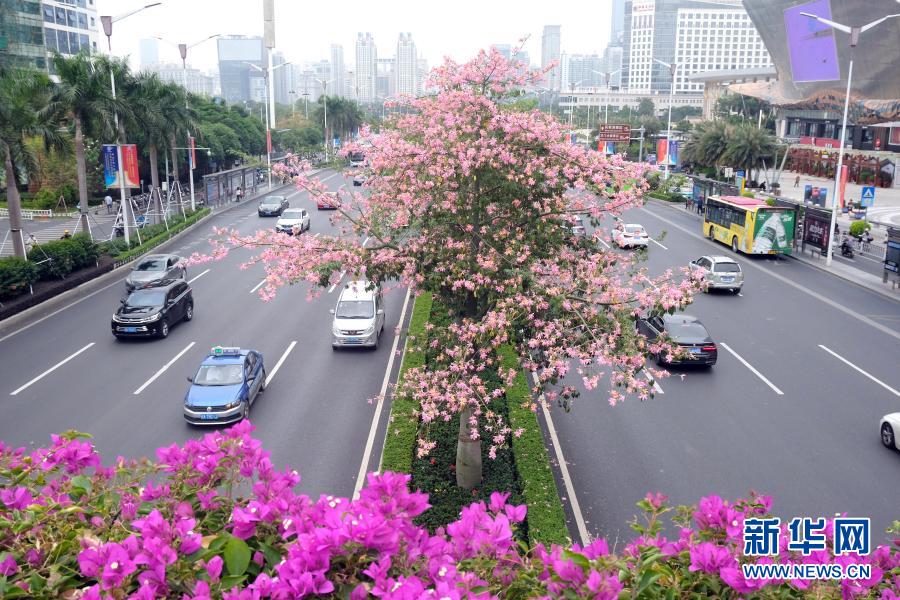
{"x": 151, "y": 311}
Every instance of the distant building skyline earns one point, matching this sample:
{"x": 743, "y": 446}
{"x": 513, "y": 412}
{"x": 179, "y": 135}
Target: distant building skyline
{"x": 365, "y": 68}
{"x": 406, "y": 69}
{"x": 551, "y": 51}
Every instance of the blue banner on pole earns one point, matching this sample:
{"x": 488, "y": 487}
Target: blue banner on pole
{"x": 110, "y": 165}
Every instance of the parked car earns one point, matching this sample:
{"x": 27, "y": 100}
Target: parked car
{"x": 358, "y": 316}
{"x": 273, "y": 206}
{"x": 720, "y": 272}
{"x": 151, "y": 311}
{"x": 630, "y": 235}
{"x": 687, "y": 332}
{"x": 154, "y": 268}
{"x": 293, "y": 221}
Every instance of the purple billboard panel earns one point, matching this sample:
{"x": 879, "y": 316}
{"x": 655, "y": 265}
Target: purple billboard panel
{"x": 811, "y": 43}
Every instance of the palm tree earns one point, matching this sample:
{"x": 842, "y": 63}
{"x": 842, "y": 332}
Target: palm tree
{"x": 713, "y": 144}
{"x": 747, "y": 146}
{"x": 83, "y": 95}
{"x": 25, "y": 111}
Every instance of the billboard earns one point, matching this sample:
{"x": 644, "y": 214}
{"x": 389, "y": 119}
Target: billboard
{"x": 111, "y": 165}
{"x": 816, "y": 229}
{"x": 614, "y": 133}
{"x": 773, "y": 231}
{"x": 663, "y": 157}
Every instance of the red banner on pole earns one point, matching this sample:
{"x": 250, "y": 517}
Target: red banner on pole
{"x": 130, "y": 165}
{"x": 844, "y": 176}
{"x": 269, "y": 141}
{"x": 193, "y": 154}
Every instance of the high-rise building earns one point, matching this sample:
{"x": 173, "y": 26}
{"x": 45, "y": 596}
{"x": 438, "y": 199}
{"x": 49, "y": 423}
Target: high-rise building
{"x": 581, "y": 71}
{"x": 421, "y": 76}
{"x": 366, "y": 68}
{"x": 240, "y": 82}
{"x": 73, "y": 28}
{"x": 612, "y": 64}
{"x": 550, "y": 52}
{"x": 189, "y": 78}
{"x": 281, "y": 78}
{"x": 617, "y": 23}
{"x": 22, "y": 35}
{"x": 504, "y": 49}
{"x": 307, "y": 80}
{"x": 407, "y": 65}
{"x": 148, "y": 52}
{"x": 696, "y": 35}
{"x": 384, "y": 78}
{"x": 337, "y": 87}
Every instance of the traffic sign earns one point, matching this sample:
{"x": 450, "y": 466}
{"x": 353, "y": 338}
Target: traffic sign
{"x": 614, "y": 133}
{"x": 867, "y": 198}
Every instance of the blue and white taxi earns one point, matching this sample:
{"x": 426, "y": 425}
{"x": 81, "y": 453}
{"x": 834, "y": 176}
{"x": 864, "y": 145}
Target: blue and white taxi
{"x": 226, "y": 385}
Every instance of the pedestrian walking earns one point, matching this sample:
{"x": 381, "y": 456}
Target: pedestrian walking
{"x": 108, "y": 201}
{"x": 239, "y": 194}
{"x": 797, "y": 181}
{"x": 700, "y": 205}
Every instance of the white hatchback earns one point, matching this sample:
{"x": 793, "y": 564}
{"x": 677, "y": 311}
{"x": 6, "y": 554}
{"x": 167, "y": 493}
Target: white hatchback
{"x": 630, "y": 235}
{"x": 292, "y": 221}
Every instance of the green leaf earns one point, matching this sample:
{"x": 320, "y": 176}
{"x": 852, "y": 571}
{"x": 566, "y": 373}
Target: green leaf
{"x": 577, "y": 558}
{"x": 647, "y": 580}
{"x": 237, "y": 556}
{"x": 273, "y": 556}
{"x": 229, "y": 581}
{"x": 80, "y": 482}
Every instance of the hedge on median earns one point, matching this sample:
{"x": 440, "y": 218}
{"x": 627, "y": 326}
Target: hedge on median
{"x": 151, "y": 236}
{"x": 16, "y": 276}
{"x": 58, "y": 258}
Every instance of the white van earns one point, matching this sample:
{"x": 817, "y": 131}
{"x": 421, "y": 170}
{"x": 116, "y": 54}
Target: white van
{"x": 358, "y": 316}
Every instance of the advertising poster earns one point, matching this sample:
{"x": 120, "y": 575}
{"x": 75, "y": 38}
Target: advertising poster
{"x": 110, "y": 165}
{"x": 666, "y": 155}
{"x": 816, "y": 230}
{"x": 212, "y": 190}
{"x": 130, "y": 164}
{"x": 773, "y": 232}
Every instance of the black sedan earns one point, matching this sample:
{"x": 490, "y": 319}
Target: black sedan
{"x": 151, "y": 311}
{"x": 273, "y": 206}
{"x": 687, "y": 332}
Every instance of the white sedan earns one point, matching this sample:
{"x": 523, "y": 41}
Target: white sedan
{"x": 890, "y": 427}
{"x": 292, "y": 221}
{"x": 630, "y": 235}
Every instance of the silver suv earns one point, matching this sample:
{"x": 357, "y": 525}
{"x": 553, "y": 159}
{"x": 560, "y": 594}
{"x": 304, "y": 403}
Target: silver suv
{"x": 358, "y": 316}
{"x": 721, "y": 272}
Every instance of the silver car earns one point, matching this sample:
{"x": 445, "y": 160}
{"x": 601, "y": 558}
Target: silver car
{"x": 721, "y": 273}
{"x": 154, "y": 269}
{"x": 358, "y": 316}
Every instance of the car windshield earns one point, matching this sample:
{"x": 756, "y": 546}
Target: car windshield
{"x": 151, "y": 264}
{"x": 292, "y": 214}
{"x": 678, "y": 331}
{"x": 272, "y": 200}
{"x": 219, "y": 375}
{"x": 634, "y": 229}
{"x": 727, "y": 267}
{"x": 357, "y": 156}
{"x": 355, "y": 309}
{"x": 146, "y": 298}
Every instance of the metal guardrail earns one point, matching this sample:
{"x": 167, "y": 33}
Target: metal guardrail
{"x": 29, "y": 214}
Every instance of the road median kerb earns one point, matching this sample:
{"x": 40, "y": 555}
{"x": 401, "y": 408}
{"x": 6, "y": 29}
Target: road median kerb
{"x": 98, "y": 283}
{"x": 877, "y": 289}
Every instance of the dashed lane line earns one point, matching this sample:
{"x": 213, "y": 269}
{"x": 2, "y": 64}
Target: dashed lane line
{"x": 752, "y": 369}
{"x": 280, "y": 362}
{"x": 852, "y": 366}
{"x": 164, "y": 368}
{"x": 51, "y": 369}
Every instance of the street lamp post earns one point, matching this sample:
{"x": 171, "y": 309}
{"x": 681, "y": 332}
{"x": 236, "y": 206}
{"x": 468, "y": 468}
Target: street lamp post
{"x": 606, "y": 76}
{"x": 107, "y": 22}
{"x": 673, "y": 68}
{"x": 271, "y": 105}
{"x": 305, "y": 105}
{"x": 854, "y": 32}
{"x": 572, "y": 101}
{"x": 325, "y": 106}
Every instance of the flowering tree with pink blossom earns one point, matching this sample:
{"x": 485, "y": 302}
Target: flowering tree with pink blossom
{"x": 215, "y": 519}
{"x": 473, "y": 200}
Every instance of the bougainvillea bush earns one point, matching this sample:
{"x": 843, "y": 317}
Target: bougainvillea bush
{"x": 214, "y": 519}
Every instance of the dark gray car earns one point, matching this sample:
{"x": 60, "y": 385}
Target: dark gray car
{"x": 273, "y": 206}
{"x": 152, "y": 269}
{"x": 687, "y": 332}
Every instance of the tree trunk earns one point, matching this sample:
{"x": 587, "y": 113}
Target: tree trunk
{"x": 155, "y": 192}
{"x": 468, "y": 454}
{"x": 81, "y": 171}
{"x": 14, "y": 202}
{"x": 174, "y": 158}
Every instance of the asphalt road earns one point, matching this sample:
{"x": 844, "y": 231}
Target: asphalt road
{"x": 814, "y": 446}
{"x": 314, "y": 415}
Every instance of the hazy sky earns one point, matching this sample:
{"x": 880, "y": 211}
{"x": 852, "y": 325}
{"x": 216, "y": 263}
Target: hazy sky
{"x": 306, "y": 30}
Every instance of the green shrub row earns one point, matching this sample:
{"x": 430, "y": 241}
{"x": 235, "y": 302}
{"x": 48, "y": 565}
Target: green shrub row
{"x": 857, "y": 228}
{"x": 400, "y": 437}
{"x": 151, "y": 236}
{"x": 546, "y": 519}
{"x": 667, "y": 196}
{"x": 16, "y": 275}
{"x": 58, "y": 258}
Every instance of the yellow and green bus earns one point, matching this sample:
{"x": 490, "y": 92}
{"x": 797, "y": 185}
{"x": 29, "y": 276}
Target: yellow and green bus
{"x": 748, "y": 225}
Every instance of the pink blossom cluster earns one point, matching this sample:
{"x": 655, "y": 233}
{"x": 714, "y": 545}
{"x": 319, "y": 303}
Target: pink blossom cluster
{"x": 178, "y": 528}
{"x": 472, "y": 199}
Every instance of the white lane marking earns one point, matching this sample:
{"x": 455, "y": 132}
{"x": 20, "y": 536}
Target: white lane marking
{"x": 794, "y": 284}
{"x": 564, "y": 471}
{"x": 281, "y": 360}
{"x": 196, "y": 277}
{"x": 850, "y": 364}
{"x": 367, "y": 454}
{"x": 658, "y": 244}
{"x": 164, "y": 368}
{"x": 656, "y": 387}
{"x": 331, "y": 289}
{"x": 604, "y": 243}
{"x": 752, "y": 370}
{"x": 51, "y": 369}
{"x": 257, "y": 286}
{"x": 330, "y": 176}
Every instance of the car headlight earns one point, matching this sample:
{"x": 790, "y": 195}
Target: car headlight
{"x": 152, "y": 318}
{"x": 335, "y": 331}
{"x": 369, "y": 330}
{"x": 233, "y": 404}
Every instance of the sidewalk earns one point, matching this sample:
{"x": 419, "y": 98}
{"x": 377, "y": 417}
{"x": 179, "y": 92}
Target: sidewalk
{"x": 860, "y": 277}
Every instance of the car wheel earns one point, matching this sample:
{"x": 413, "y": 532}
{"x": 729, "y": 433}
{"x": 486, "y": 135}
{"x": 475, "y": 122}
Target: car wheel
{"x": 660, "y": 360}
{"x": 164, "y": 329}
{"x": 734, "y": 244}
{"x": 245, "y": 411}
{"x": 189, "y": 312}
{"x": 887, "y": 436}
{"x": 736, "y": 291}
